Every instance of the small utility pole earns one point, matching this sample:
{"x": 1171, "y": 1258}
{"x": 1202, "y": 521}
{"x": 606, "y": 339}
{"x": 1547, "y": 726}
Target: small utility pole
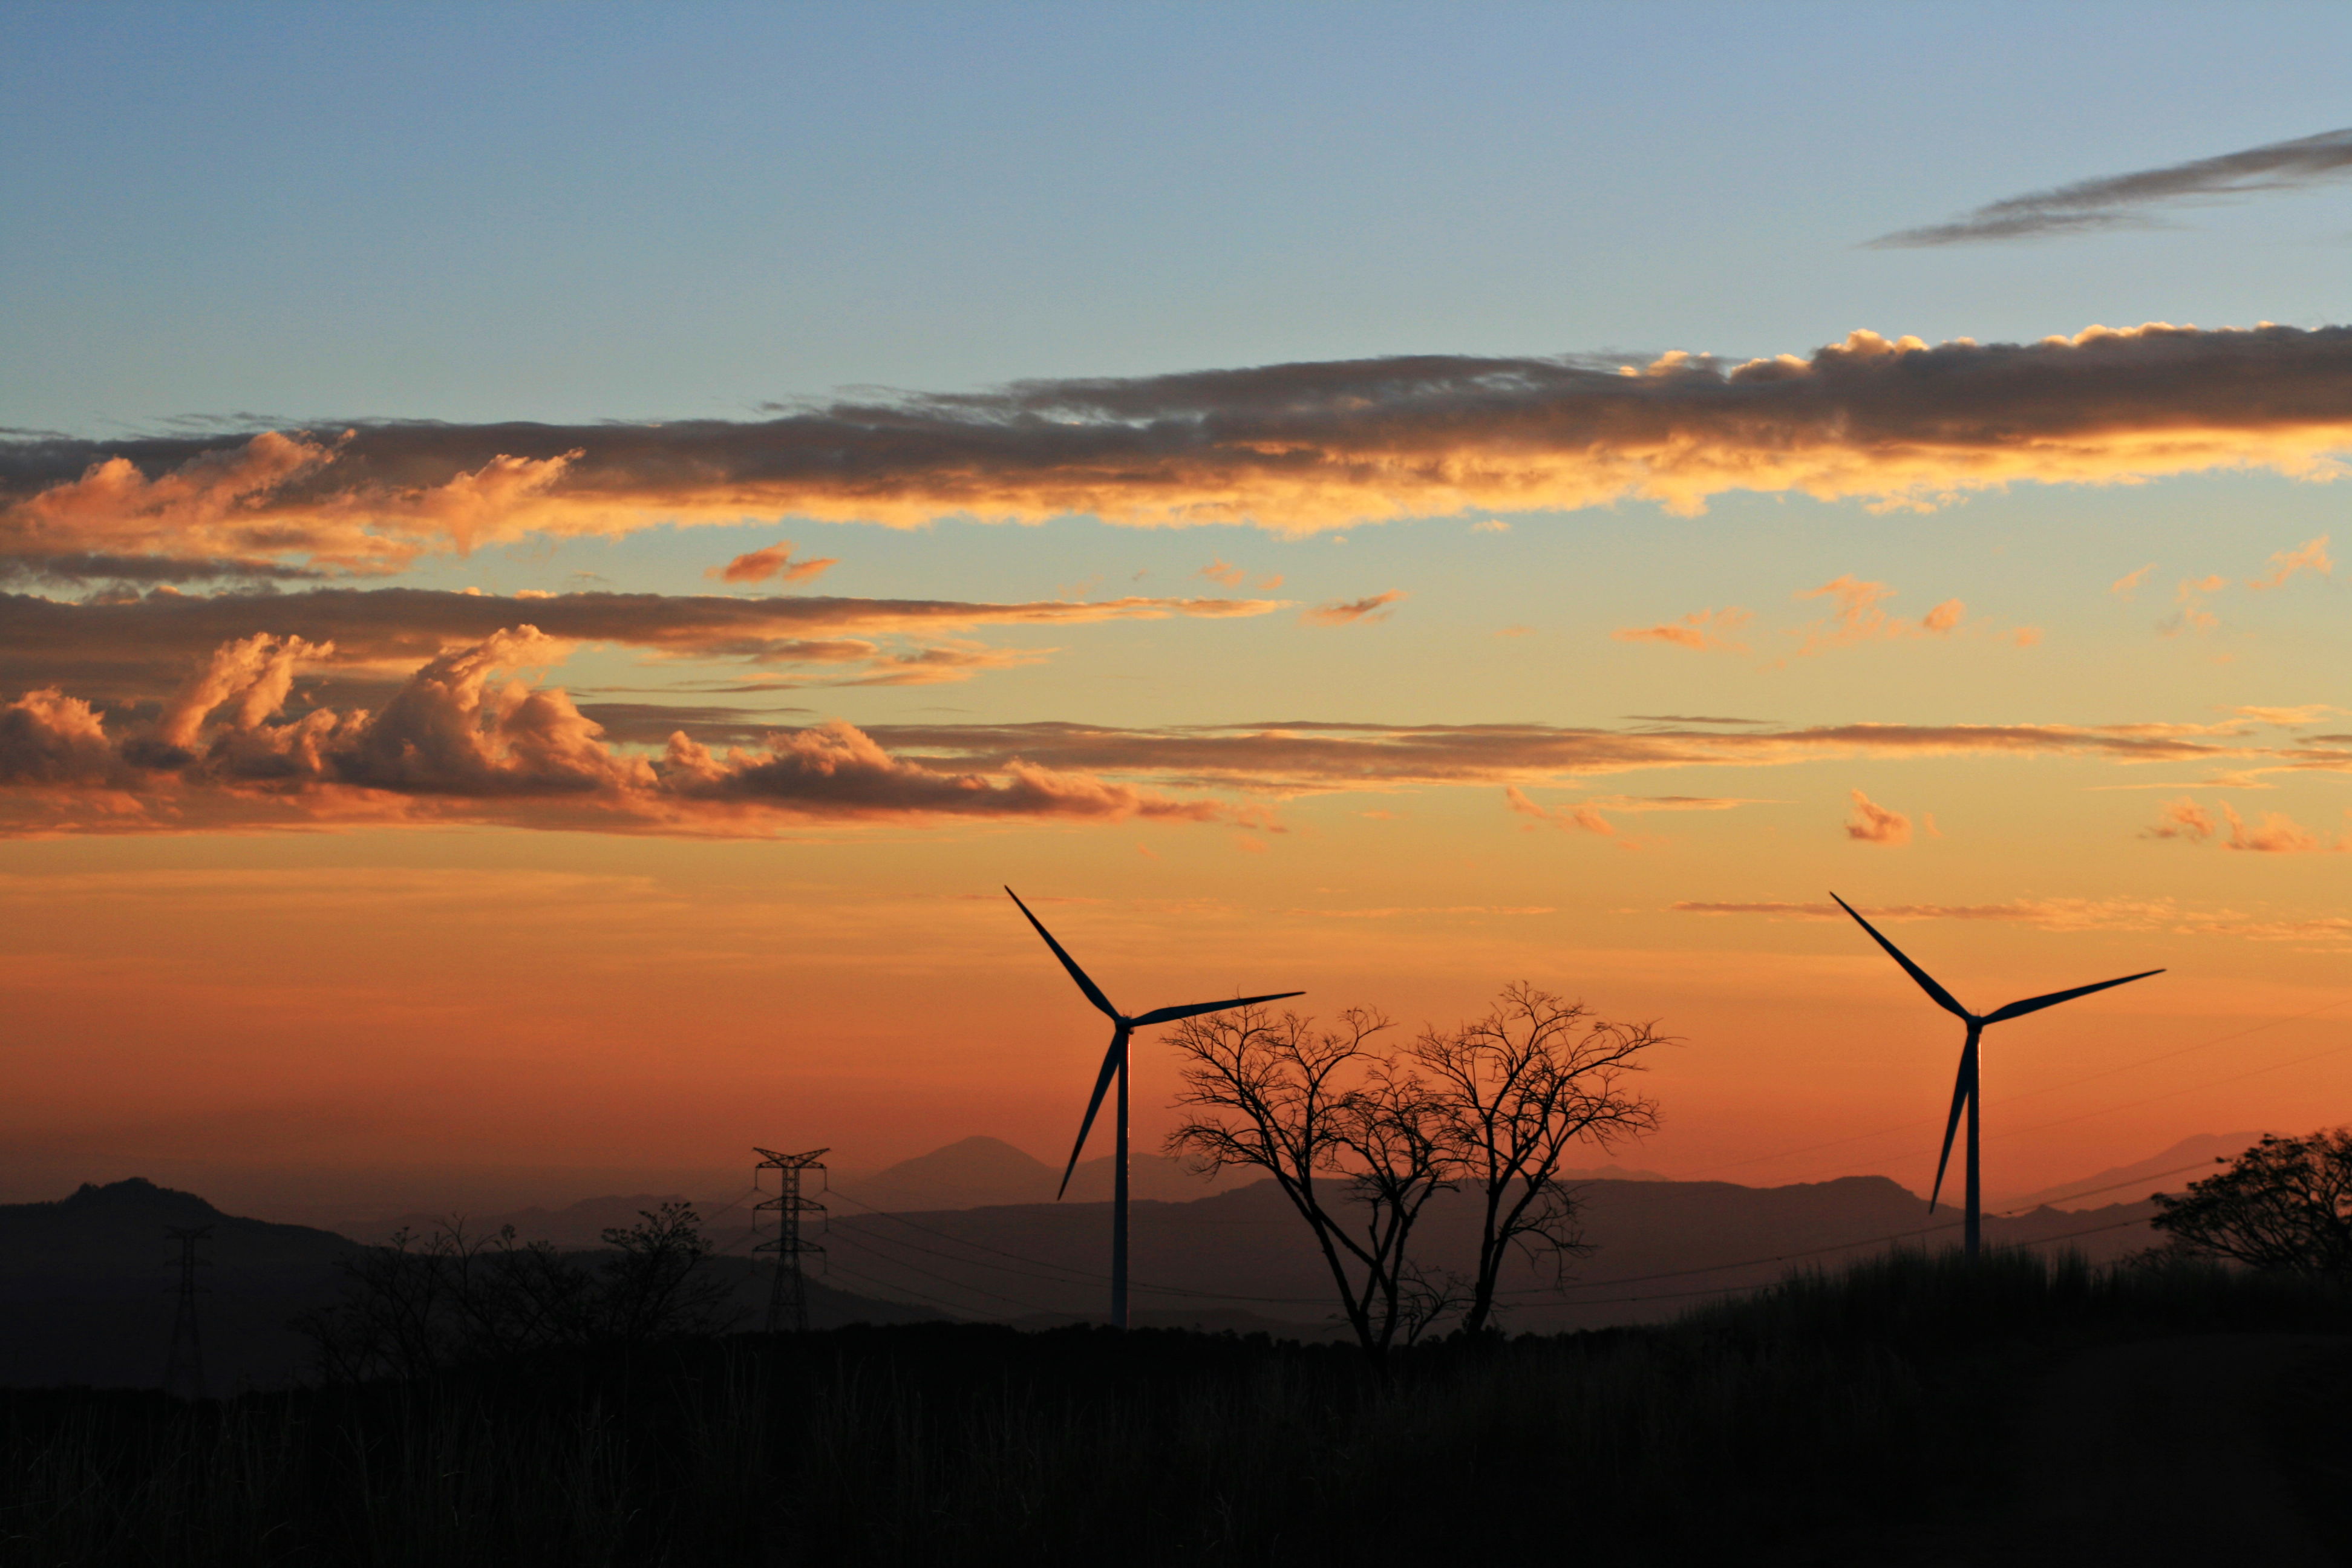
{"x": 788, "y": 1297}
{"x": 183, "y": 1369}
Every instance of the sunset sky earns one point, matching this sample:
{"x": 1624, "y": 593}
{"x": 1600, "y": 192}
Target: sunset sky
{"x": 556, "y": 558}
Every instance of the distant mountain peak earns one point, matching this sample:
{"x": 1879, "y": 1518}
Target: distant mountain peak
{"x": 2170, "y": 1170}
{"x": 138, "y": 1192}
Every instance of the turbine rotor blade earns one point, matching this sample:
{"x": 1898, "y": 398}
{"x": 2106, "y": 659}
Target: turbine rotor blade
{"x": 1102, "y": 1086}
{"x": 1169, "y": 1014}
{"x": 1093, "y": 992}
{"x": 2035, "y": 1004}
{"x": 1926, "y": 982}
{"x": 1966, "y": 1086}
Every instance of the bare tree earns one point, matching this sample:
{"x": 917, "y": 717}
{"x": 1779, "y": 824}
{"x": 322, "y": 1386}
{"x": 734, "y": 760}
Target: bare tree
{"x": 654, "y": 1284}
{"x": 1394, "y": 1150}
{"x": 425, "y": 1304}
{"x": 2285, "y": 1204}
{"x": 1517, "y": 1090}
{"x": 1354, "y": 1142}
{"x": 1427, "y": 1297}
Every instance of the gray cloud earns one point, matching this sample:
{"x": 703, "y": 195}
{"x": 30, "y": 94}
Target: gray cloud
{"x": 1308, "y": 757}
{"x": 137, "y": 646}
{"x": 454, "y": 742}
{"x": 1292, "y": 447}
{"x": 2120, "y": 201}
{"x": 237, "y": 744}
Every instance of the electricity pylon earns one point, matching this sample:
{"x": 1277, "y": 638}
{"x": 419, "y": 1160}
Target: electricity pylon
{"x": 183, "y": 1369}
{"x": 788, "y": 1296}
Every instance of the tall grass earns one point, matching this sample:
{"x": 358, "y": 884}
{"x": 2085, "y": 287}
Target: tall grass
{"x": 1796, "y": 1414}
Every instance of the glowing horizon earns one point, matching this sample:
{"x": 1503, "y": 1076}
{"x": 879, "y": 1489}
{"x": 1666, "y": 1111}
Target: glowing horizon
{"x": 599, "y": 753}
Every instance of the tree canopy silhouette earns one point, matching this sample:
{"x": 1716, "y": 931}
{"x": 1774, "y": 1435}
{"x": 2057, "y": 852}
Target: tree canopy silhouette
{"x": 1514, "y": 1092}
{"x": 1360, "y": 1135}
{"x": 424, "y": 1304}
{"x": 2285, "y": 1204}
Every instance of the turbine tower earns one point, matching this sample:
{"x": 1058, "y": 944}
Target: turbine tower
{"x": 1964, "y": 1093}
{"x": 1115, "y": 1064}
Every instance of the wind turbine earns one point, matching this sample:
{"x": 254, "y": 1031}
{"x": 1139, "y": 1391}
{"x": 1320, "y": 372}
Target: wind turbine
{"x": 1115, "y": 1062}
{"x": 1964, "y": 1093}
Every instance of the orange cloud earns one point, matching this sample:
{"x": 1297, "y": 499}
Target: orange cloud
{"x": 1700, "y": 631}
{"x": 2130, "y": 583}
{"x": 1874, "y": 824}
{"x": 2275, "y": 835}
{"x": 2183, "y": 820}
{"x": 234, "y": 762}
{"x": 2278, "y": 835}
{"x": 1859, "y": 619}
{"x": 138, "y": 645}
{"x": 2190, "y": 613}
{"x": 1339, "y": 614}
{"x": 2302, "y": 713}
{"x": 1224, "y": 572}
{"x": 1579, "y": 817}
{"x": 1295, "y": 448}
{"x": 2309, "y": 556}
{"x": 2067, "y": 915}
{"x": 1305, "y": 758}
{"x": 759, "y": 565}
{"x": 455, "y": 743}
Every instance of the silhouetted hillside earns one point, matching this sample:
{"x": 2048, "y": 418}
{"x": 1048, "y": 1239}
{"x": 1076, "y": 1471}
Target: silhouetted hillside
{"x": 1658, "y": 1246}
{"x": 88, "y": 1288}
{"x": 973, "y": 1173}
{"x": 2160, "y": 1173}
{"x": 751, "y": 1280}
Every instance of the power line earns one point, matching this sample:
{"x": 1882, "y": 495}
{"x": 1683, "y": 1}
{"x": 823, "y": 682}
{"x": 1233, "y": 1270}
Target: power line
{"x": 2180, "y": 1051}
{"x": 1075, "y": 1276}
{"x": 2192, "y": 1088}
{"x": 2110, "y": 1187}
{"x": 1580, "y": 1285}
{"x": 734, "y": 1203}
{"x": 1079, "y": 1275}
{"x": 874, "y": 1284}
{"x": 944, "y": 1280}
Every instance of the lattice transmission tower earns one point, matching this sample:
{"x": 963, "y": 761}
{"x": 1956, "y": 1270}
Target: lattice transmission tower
{"x": 183, "y": 1369}
{"x": 788, "y": 1296}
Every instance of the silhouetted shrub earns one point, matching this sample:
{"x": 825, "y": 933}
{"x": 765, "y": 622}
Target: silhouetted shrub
{"x": 424, "y": 1305}
{"x": 1845, "y": 1406}
{"x": 2284, "y": 1205}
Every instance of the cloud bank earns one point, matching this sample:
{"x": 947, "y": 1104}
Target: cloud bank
{"x": 1305, "y": 757}
{"x": 1290, "y": 447}
{"x": 2334, "y": 931}
{"x": 245, "y": 739}
{"x": 135, "y": 646}
{"x": 455, "y": 743}
{"x": 2122, "y": 201}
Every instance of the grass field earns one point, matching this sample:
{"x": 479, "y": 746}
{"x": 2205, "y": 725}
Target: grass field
{"x": 1817, "y": 1421}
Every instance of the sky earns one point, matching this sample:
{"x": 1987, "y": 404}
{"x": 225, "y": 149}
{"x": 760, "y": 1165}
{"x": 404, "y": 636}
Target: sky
{"x": 553, "y": 561}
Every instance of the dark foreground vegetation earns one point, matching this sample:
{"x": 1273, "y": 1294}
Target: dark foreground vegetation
{"x": 1827, "y": 1420}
